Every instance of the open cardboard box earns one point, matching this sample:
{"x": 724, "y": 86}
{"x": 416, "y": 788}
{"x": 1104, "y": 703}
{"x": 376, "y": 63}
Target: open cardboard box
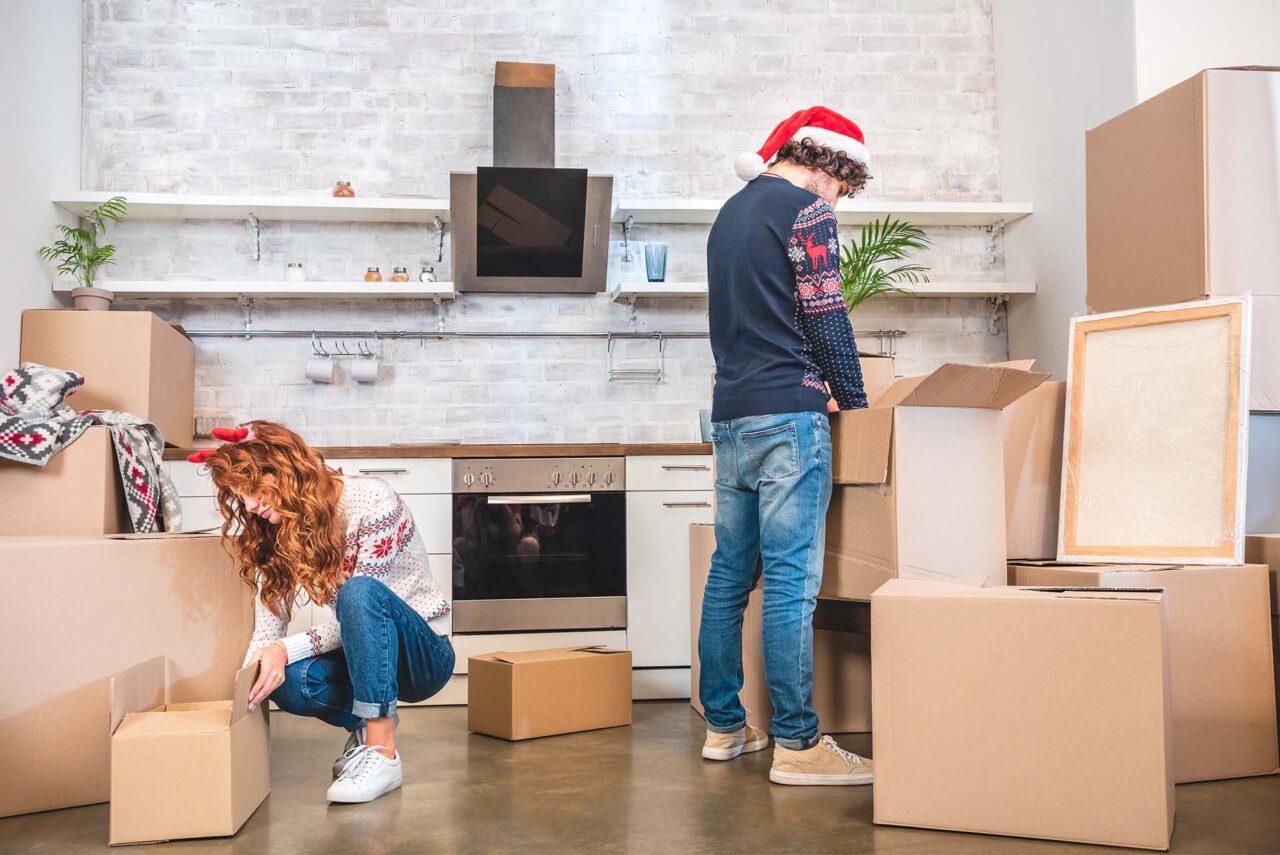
{"x": 1033, "y": 713}
{"x": 182, "y": 770}
{"x": 522, "y": 695}
{"x": 920, "y": 486}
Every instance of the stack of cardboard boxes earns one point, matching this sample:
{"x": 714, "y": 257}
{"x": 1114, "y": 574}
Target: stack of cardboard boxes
{"x": 1137, "y": 649}
{"x": 95, "y": 600}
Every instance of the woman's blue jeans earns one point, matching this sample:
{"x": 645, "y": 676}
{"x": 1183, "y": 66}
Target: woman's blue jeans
{"x": 773, "y": 485}
{"x": 388, "y": 653}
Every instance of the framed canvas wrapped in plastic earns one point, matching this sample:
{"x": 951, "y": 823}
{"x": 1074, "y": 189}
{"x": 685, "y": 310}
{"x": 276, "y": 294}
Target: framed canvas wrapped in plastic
{"x": 1156, "y": 435}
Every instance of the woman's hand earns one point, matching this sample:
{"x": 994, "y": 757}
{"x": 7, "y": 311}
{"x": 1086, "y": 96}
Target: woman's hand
{"x": 272, "y": 660}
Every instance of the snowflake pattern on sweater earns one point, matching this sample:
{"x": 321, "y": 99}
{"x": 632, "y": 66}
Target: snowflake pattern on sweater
{"x": 382, "y": 541}
{"x": 830, "y": 352}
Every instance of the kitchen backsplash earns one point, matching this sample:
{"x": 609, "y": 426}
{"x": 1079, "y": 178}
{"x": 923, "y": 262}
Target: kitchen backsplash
{"x": 393, "y": 95}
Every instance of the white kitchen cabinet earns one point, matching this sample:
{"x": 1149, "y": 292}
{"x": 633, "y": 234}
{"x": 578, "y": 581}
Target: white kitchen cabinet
{"x": 433, "y": 515}
{"x": 658, "y": 573}
{"x": 405, "y": 474}
{"x": 200, "y": 512}
{"x": 670, "y": 472}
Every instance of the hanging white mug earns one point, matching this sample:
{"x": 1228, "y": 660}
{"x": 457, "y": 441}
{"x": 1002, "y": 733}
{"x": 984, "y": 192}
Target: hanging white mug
{"x": 364, "y": 370}
{"x": 321, "y": 369}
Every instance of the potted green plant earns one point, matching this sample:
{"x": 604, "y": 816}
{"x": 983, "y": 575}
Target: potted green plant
{"x": 79, "y": 254}
{"x": 862, "y": 262}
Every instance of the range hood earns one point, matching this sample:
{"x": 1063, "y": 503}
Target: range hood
{"x": 523, "y": 225}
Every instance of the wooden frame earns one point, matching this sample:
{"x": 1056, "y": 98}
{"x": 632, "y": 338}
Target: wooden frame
{"x": 1229, "y": 547}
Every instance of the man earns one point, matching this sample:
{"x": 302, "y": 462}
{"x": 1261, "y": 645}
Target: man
{"x": 781, "y": 338}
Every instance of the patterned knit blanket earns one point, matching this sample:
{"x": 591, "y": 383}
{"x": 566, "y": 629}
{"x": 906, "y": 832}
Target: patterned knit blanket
{"x": 36, "y": 423}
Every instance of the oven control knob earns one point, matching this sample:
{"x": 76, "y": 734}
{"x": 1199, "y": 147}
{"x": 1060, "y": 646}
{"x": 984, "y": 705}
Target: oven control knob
{"x": 591, "y": 479}
{"x": 573, "y": 479}
{"x": 486, "y": 478}
{"x": 555, "y": 479}
{"x": 608, "y": 477}
{"x": 468, "y": 479}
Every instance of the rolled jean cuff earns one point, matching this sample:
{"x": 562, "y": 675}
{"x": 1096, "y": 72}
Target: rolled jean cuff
{"x": 796, "y": 744}
{"x": 364, "y": 709}
{"x": 733, "y": 728}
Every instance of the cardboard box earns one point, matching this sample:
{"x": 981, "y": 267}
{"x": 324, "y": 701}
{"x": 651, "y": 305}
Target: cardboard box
{"x": 1181, "y": 194}
{"x": 182, "y": 770}
{"x": 544, "y": 692}
{"x": 1220, "y": 660}
{"x": 132, "y": 362}
{"x": 1032, "y": 428}
{"x": 841, "y": 652}
{"x": 1265, "y": 549}
{"x": 920, "y": 482}
{"x": 78, "y": 492}
{"x": 115, "y": 602}
{"x": 877, "y": 374}
{"x": 1025, "y": 713}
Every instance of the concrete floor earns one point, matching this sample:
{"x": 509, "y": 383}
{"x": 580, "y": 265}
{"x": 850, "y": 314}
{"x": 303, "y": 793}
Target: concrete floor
{"x": 638, "y": 789}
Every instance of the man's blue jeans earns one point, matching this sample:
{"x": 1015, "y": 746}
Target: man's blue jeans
{"x": 773, "y": 485}
{"x": 388, "y": 653}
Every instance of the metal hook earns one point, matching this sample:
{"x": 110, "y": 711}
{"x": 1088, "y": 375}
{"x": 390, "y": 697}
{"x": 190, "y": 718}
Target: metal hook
{"x": 316, "y": 347}
{"x": 341, "y": 348}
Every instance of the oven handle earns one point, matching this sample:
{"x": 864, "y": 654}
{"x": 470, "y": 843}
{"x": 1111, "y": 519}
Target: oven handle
{"x": 552, "y": 499}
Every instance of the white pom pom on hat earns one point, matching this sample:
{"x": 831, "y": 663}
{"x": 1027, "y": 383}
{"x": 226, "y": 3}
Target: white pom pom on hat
{"x": 825, "y": 127}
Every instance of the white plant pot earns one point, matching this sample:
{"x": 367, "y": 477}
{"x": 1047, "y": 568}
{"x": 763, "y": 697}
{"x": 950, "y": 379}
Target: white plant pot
{"x": 93, "y": 299}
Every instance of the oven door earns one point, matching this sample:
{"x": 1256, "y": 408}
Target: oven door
{"x": 524, "y": 562}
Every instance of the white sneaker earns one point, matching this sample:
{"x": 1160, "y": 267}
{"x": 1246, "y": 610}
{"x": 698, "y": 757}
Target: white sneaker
{"x": 354, "y": 741}
{"x": 367, "y": 775}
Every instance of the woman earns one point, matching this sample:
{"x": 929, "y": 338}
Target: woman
{"x": 297, "y": 527}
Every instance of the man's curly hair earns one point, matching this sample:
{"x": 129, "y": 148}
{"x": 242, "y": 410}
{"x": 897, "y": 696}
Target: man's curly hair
{"x": 806, "y": 152}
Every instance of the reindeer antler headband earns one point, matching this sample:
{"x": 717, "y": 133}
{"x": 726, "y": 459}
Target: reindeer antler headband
{"x": 229, "y": 436}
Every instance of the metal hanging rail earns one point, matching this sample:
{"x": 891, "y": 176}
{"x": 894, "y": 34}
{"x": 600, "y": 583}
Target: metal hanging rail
{"x": 887, "y": 335}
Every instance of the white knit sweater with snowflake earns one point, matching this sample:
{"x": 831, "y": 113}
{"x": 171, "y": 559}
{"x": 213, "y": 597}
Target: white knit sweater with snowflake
{"x": 383, "y": 542}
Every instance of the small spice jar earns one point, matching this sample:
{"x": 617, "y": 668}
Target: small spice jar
{"x": 399, "y": 274}
{"x": 373, "y": 274}
{"x": 343, "y": 189}
{"x": 428, "y": 273}
{"x": 294, "y": 272}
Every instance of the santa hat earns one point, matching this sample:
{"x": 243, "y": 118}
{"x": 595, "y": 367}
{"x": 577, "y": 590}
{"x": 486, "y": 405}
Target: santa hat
{"x": 823, "y": 126}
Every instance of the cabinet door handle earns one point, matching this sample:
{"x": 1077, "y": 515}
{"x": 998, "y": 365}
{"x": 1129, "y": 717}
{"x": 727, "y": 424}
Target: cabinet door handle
{"x": 387, "y": 471}
{"x": 702, "y": 467}
{"x": 686, "y": 504}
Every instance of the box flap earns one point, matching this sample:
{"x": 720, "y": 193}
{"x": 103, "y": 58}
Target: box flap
{"x": 245, "y": 678}
{"x": 597, "y": 648}
{"x": 921, "y": 588}
{"x": 860, "y": 443}
{"x": 1018, "y": 364}
{"x": 168, "y": 722}
{"x": 165, "y": 535}
{"x": 981, "y": 386}
{"x": 137, "y": 689}
{"x": 896, "y": 393}
{"x": 1083, "y": 593}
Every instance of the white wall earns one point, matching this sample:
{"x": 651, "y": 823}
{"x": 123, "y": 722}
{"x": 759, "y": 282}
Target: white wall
{"x": 40, "y": 148}
{"x": 1062, "y": 66}
{"x": 1177, "y": 38}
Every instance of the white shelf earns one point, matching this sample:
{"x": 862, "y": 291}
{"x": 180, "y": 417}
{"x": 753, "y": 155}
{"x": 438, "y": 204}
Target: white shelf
{"x": 848, "y": 211}
{"x": 272, "y": 289}
{"x": 187, "y": 206}
{"x": 629, "y": 291}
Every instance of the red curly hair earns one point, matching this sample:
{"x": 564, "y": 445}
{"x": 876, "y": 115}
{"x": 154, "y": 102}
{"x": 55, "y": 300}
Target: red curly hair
{"x": 305, "y": 550}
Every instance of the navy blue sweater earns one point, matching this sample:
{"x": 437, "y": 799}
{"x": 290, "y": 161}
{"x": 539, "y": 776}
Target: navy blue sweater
{"x": 779, "y": 329}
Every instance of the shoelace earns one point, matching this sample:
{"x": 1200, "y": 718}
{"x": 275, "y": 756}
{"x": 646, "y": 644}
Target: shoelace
{"x": 848, "y": 756}
{"x": 359, "y": 769}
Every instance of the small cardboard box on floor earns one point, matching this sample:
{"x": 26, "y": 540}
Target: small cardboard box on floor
{"x": 1022, "y": 712}
{"x": 86, "y": 609}
{"x": 182, "y": 770}
{"x": 522, "y": 695}
{"x": 841, "y": 651}
{"x": 132, "y": 362}
{"x": 1220, "y": 659}
{"x": 78, "y": 492}
{"x": 920, "y": 486}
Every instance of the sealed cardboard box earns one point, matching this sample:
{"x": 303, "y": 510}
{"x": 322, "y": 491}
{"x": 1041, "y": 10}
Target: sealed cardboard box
{"x": 116, "y": 602}
{"x": 132, "y": 362}
{"x": 1220, "y": 659}
{"x": 1032, "y": 428}
{"x": 1025, "y": 713}
{"x": 920, "y": 488}
{"x": 1181, "y": 196}
{"x": 841, "y": 652}
{"x": 77, "y": 492}
{"x": 183, "y": 770}
{"x": 522, "y": 695}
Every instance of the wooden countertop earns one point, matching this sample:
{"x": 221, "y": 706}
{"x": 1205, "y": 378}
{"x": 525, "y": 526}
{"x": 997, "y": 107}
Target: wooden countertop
{"x": 595, "y": 449}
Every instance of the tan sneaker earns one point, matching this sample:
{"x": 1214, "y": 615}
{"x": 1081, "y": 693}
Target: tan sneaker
{"x": 726, "y": 746}
{"x": 823, "y": 764}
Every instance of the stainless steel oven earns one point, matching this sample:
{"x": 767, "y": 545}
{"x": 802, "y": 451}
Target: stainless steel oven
{"x": 539, "y": 544}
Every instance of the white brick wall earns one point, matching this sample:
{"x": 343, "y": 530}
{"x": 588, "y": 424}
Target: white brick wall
{"x": 245, "y": 96}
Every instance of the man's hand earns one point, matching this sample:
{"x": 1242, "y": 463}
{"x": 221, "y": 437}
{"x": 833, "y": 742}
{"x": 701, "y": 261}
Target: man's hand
{"x": 832, "y": 406}
{"x": 271, "y": 660}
